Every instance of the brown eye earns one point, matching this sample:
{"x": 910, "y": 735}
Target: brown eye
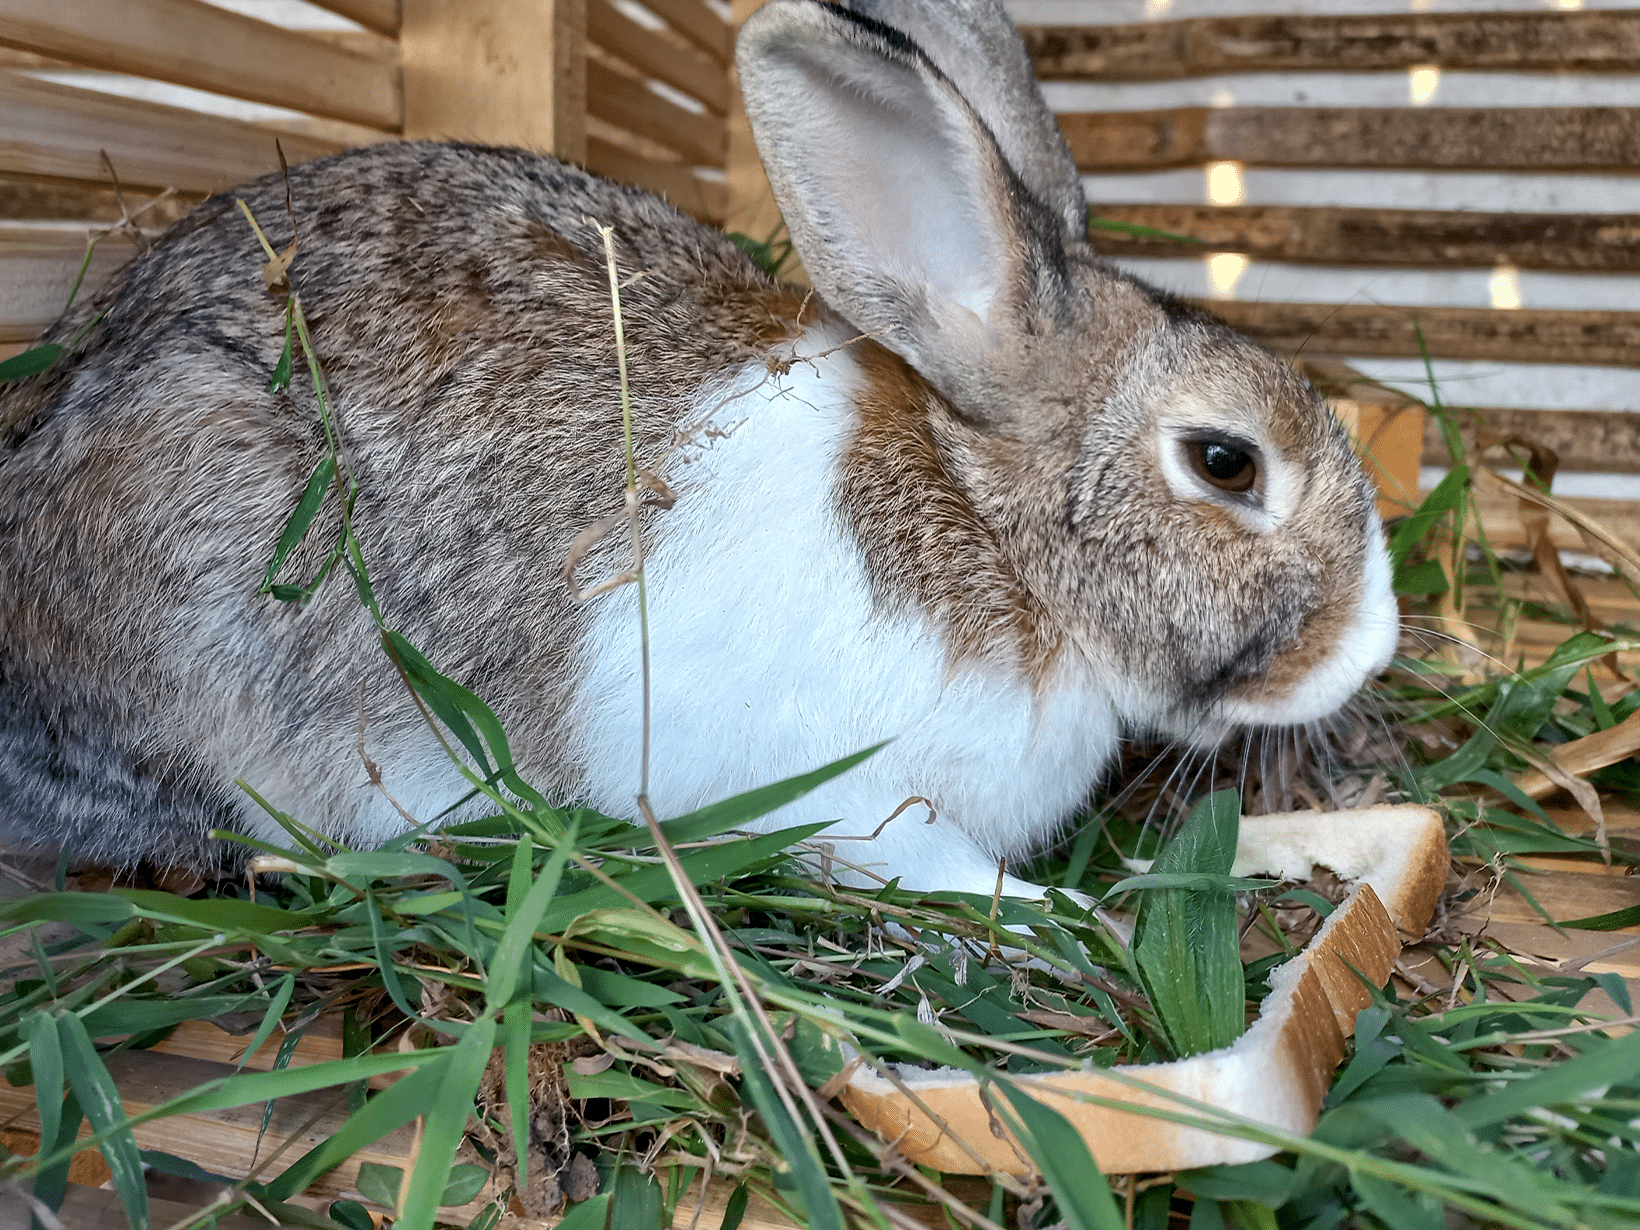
{"x": 1224, "y": 465}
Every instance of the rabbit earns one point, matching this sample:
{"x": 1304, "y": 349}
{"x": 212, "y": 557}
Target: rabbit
{"x": 981, "y": 497}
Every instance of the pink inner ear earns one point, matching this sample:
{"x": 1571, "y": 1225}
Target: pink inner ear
{"x": 887, "y": 181}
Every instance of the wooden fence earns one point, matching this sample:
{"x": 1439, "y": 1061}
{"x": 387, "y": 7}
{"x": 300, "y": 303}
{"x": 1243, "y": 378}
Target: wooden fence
{"x": 190, "y": 96}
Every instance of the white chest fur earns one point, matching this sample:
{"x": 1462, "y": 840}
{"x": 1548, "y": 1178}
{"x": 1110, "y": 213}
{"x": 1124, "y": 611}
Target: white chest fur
{"x": 769, "y": 660}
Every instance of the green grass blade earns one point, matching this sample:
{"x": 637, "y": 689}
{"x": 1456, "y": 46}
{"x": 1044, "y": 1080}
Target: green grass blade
{"x": 1185, "y": 941}
{"x": 380, "y": 941}
{"x": 1604, "y": 719}
{"x": 249, "y": 1087}
{"x": 515, "y": 1041}
{"x": 735, "y": 1209}
{"x": 515, "y": 1024}
{"x": 1609, "y": 1064}
{"x": 215, "y": 914}
{"x": 1397, "y": 1208}
{"x": 742, "y": 809}
{"x": 182, "y": 1168}
{"x": 280, "y": 380}
{"x": 31, "y": 362}
{"x": 635, "y": 1203}
{"x": 447, "y": 699}
{"x": 51, "y": 1183}
{"x": 1514, "y": 1181}
{"x": 1050, "y": 1141}
{"x": 588, "y": 1215}
{"x": 654, "y": 883}
{"x": 526, "y": 902}
{"x": 140, "y": 1016}
{"x": 45, "y": 1055}
{"x": 386, "y": 1112}
{"x": 472, "y": 722}
{"x": 552, "y": 988}
{"x": 301, "y": 518}
{"x": 792, "y": 1145}
{"x": 97, "y": 1094}
{"x": 512, "y": 954}
{"x": 1615, "y": 920}
{"x": 68, "y": 907}
{"x": 367, "y": 866}
{"x": 277, "y": 1003}
{"x": 444, "y": 1124}
{"x": 1437, "y": 504}
{"x": 281, "y": 1061}
{"x": 1195, "y": 881}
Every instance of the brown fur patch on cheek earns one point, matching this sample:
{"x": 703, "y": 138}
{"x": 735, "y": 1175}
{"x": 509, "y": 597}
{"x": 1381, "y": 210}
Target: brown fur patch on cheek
{"x": 925, "y": 545}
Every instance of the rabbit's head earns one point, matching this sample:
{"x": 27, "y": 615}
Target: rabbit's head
{"x": 1185, "y": 519}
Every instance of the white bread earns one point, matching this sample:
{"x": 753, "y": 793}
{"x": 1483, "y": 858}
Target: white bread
{"x": 1276, "y": 1074}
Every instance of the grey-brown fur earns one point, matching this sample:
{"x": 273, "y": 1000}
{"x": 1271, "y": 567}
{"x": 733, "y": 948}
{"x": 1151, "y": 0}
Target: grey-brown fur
{"x": 459, "y": 300}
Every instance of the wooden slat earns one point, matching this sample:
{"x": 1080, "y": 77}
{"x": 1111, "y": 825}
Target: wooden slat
{"x": 224, "y": 1141}
{"x": 192, "y": 43}
{"x": 1611, "y": 602}
{"x": 1137, "y": 140}
{"x": 93, "y": 1208}
{"x": 671, "y": 60}
{"x": 1523, "y": 336}
{"x": 671, "y": 180}
{"x": 1451, "y": 138}
{"x": 1532, "y": 939}
{"x": 1606, "y": 243}
{"x": 699, "y": 24}
{"x": 1601, "y": 440}
{"x": 701, "y": 138}
{"x": 365, "y": 43}
{"x": 10, "y": 57}
{"x": 321, "y": 1042}
{"x": 1501, "y": 517}
{"x": 1519, "y": 42}
{"x": 1388, "y": 441}
{"x": 41, "y": 199}
{"x": 61, "y": 132}
{"x": 1567, "y": 895}
{"x": 38, "y": 265}
{"x": 382, "y": 16}
{"x": 497, "y": 72}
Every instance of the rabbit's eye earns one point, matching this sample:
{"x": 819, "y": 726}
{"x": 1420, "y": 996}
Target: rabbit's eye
{"x": 1224, "y": 465}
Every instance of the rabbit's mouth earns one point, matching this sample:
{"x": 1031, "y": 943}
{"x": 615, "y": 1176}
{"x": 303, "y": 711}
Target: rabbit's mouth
{"x": 1337, "y": 652}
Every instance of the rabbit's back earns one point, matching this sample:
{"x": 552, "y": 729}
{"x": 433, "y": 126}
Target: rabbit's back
{"x": 459, "y": 302}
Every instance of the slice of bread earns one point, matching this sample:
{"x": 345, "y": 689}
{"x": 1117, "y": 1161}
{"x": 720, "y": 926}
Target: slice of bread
{"x": 1274, "y": 1076}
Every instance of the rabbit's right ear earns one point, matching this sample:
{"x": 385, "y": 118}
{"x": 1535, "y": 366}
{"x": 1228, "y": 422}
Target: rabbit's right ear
{"x": 904, "y": 210}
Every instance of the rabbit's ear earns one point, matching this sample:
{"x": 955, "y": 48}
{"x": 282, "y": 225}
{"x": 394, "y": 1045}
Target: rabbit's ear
{"x": 974, "y": 43}
{"x": 904, "y": 210}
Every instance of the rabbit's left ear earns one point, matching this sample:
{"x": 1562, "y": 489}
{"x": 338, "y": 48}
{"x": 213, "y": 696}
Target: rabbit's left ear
{"x": 905, "y": 212}
{"x": 974, "y": 43}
